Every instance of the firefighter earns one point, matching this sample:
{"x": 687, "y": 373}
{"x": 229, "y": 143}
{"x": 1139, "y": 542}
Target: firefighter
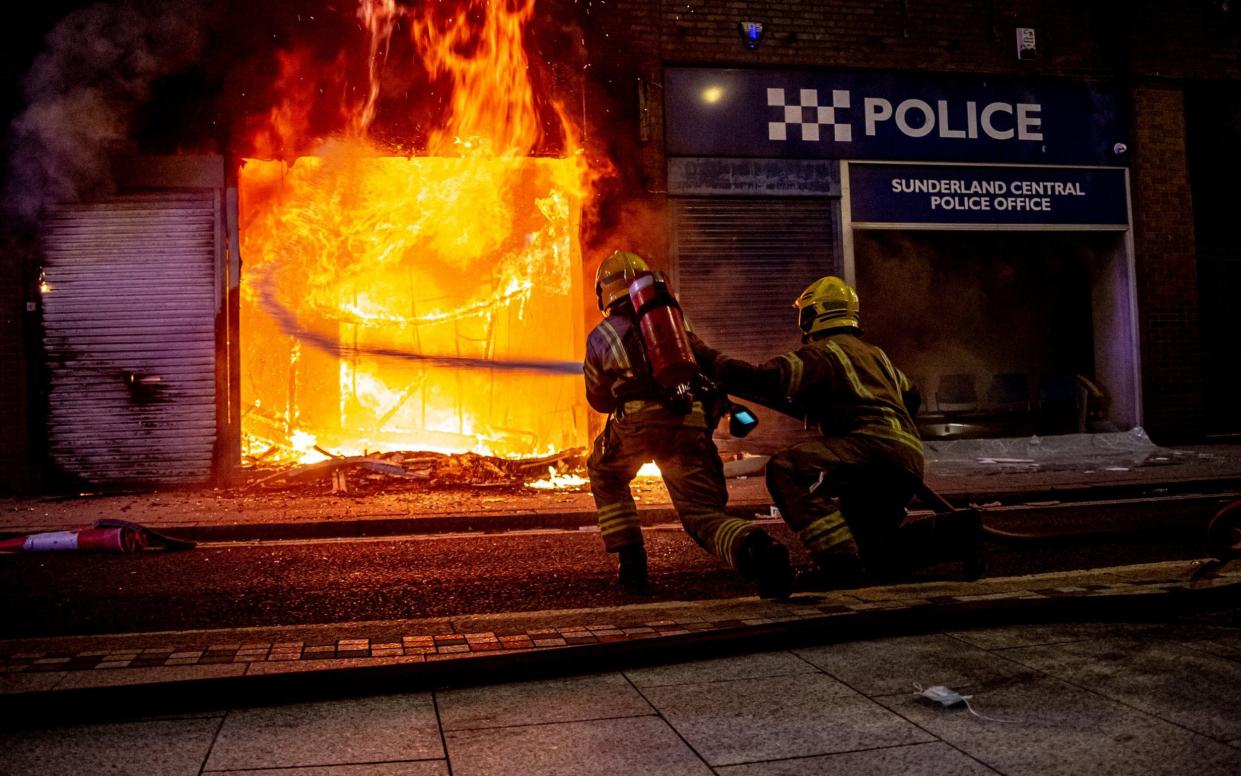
{"x": 644, "y": 423}
{"x": 844, "y": 494}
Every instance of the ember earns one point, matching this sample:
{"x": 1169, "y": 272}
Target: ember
{"x": 465, "y": 250}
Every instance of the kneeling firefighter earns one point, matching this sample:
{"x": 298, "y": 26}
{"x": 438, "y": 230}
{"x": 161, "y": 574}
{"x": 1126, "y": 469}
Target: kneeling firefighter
{"x": 640, "y": 370}
{"x": 844, "y": 494}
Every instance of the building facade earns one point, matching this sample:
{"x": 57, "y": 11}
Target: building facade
{"x": 1033, "y": 197}
{"x": 1097, "y": 319}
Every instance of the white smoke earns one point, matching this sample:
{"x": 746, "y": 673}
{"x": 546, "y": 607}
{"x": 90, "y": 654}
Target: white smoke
{"x": 82, "y": 90}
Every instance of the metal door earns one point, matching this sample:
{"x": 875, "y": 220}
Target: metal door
{"x": 130, "y": 299}
{"x": 739, "y": 264}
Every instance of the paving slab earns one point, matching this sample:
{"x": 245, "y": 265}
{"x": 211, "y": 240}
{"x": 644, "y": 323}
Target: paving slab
{"x": 1040, "y": 726}
{"x": 166, "y": 747}
{"x": 753, "y": 666}
{"x": 1169, "y": 681}
{"x": 414, "y": 768}
{"x": 935, "y": 759}
{"x": 892, "y": 665}
{"x": 376, "y": 729}
{"x": 572, "y": 699}
{"x": 751, "y": 720}
{"x": 634, "y": 745}
{"x": 1213, "y": 639}
{"x": 1037, "y": 634}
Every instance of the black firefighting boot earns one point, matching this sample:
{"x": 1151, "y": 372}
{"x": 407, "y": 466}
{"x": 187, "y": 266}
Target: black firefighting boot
{"x": 633, "y": 576}
{"x": 952, "y": 536}
{"x": 832, "y": 571}
{"x": 766, "y": 561}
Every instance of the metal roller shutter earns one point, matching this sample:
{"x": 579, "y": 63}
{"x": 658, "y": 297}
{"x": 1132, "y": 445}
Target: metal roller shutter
{"x": 739, "y": 264}
{"x": 130, "y": 337}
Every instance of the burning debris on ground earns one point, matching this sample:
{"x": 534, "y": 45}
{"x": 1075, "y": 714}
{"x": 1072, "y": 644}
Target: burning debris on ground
{"x": 420, "y": 471}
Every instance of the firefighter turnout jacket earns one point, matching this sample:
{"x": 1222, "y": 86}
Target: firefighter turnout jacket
{"x": 839, "y": 383}
{"x": 618, "y": 378}
{"x": 845, "y": 494}
{"x": 642, "y": 428}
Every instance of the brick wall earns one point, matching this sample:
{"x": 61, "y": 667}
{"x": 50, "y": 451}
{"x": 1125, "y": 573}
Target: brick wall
{"x": 16, "y": 454}
{"x": 1163, "y": 232}
{"x": 1150, "y": 46}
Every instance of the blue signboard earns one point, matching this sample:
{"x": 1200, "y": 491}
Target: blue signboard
{"x": 944, "y": 194}
{"x": 906, "y": 116}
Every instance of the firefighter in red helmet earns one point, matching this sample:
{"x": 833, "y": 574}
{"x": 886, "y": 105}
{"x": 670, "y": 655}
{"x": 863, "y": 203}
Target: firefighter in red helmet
{"x": 644, "y": 423}
{"x": 844, "y": 494}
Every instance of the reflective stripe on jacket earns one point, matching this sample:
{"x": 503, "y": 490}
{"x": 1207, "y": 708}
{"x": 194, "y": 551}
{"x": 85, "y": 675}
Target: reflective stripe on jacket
{"x": 619, "y": 380}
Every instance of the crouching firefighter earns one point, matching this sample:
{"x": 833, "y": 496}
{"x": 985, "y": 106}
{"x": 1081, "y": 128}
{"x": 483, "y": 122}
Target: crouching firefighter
{"x": 845, "y": 494}
{"x": 633, "y": 373}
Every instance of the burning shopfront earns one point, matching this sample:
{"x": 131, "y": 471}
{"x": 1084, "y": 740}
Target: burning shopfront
{"x": 339, "y": 294}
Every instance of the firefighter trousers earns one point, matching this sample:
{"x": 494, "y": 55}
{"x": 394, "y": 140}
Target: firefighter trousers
{"x": 844, "y": 496}
{"x": 692, "y": 470}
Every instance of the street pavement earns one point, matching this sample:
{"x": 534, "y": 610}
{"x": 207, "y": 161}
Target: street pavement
{"x": 398, "y": 655}
{"x": 1161, "y": 697}
{"x": 253, "y": 584}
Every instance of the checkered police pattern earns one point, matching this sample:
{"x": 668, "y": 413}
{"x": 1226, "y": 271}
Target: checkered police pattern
{"x": 808, "y": 115}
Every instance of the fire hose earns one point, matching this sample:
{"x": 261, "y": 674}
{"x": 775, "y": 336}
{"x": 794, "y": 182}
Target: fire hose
{"x": 1223, "y": 541}
{"x": 287, "y": 321}
{"x": 1223, "y": 535}
{"x": 1224, "y": 532}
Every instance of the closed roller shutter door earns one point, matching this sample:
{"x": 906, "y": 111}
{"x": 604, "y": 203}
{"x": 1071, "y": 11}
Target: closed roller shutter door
{"x": 129, "y": 336}
{"x": 740, "y": 263}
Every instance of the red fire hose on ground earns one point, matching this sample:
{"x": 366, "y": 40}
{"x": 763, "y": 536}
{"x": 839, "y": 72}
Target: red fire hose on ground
{"x": 1223, "y": 541}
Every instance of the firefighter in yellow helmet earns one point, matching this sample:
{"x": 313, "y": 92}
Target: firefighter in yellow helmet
{"x": 844, "y": 494}
{"x": 644, "y": 423}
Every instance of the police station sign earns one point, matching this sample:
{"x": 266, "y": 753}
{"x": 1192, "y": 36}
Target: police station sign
{"x": 915, "y": 117}
{"x": 892, "y": 194}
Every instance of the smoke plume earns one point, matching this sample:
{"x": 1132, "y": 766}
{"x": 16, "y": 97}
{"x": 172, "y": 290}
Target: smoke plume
{"x": 81, "y": 93}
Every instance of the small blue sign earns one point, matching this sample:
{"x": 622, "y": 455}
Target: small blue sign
{"x": 947, "y": 194}
{"x": 716, "y": 112}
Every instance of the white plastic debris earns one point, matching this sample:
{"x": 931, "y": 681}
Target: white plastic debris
{"x": 942, "y": 695}
{"x": 947, "y": 698}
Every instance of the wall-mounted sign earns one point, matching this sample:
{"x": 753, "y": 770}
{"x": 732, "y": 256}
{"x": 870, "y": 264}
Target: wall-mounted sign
{"x": 906, "y": 116}
{"x": 947, "y": 194}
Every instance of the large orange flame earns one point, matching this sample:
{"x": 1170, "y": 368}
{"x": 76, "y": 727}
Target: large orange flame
{"x": 468, "y": 247}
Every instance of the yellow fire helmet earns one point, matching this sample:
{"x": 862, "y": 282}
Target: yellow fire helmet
{"x": 614, "y": 275}
{"x": 828, "y": 303}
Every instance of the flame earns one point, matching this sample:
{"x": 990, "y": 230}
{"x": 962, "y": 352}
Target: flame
{"x": 556, "y": 481}
{"x": 462, "y": 244}
{"x": 649, "y": 469}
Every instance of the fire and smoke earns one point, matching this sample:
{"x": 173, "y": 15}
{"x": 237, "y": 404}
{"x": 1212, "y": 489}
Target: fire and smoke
{"x": 83, "y": 90}
{"x": 427, "y": 282}
{"x": 411, "y": 200}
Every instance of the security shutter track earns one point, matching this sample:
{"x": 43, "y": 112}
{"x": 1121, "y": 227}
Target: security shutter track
{"x": 740, "y": 263}
{"x": 129, "y": 336}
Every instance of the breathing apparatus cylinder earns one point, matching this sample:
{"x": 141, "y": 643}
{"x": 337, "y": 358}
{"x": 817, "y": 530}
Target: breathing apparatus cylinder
{"x": 662, "y": 326}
